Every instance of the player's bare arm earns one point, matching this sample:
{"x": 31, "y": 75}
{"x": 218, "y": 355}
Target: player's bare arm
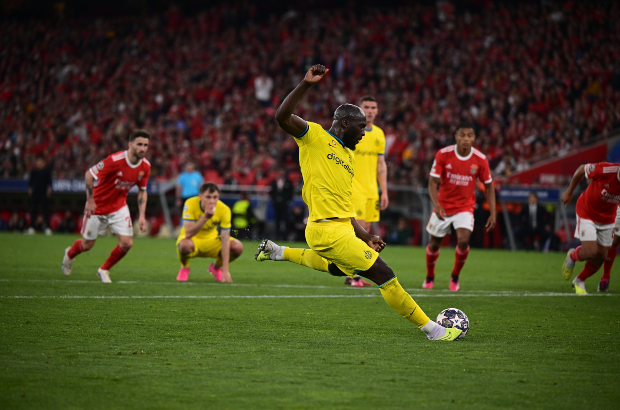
{"x": 382, "y": 179}
{"x": 90, "y": 207}
{"x": 489, "y": 191}
{"x": 373, "y": 241}
{"x": 567, "y": 196}
{"x": 225, "y": 237}
{"x": 192, "y": 228}
{"x": 142, "y": 198}
{"x": 292, "y": 124}
{"x": 433, "y": 190}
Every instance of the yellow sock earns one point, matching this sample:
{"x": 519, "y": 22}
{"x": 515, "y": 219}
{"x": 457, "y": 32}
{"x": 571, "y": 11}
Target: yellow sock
{"x": 403, "y": 303}
{"x": 306, "y": 257}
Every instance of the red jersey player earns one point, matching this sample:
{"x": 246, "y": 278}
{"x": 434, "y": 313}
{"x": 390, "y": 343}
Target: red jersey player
{"x": 107, "y": 186}
{"x": 456, "y": 167}
{"x": 596, "y": 216}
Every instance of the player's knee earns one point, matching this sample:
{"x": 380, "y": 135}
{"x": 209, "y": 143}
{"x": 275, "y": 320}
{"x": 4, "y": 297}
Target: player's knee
{"x": 126, "y": 244}
{"x": 87, "y": 245}
{"x": 236, "y": 248}
{"x": 462, "y": 244}
{"x": 186, "y": 247}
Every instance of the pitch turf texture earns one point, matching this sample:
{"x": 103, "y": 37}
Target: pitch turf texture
{"x": 283, "y": 336}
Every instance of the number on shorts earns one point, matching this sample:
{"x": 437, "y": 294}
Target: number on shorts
{"x": 128, "y": 219}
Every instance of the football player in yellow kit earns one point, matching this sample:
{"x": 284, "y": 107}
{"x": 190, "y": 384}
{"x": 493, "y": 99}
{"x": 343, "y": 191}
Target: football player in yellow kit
{"x": 338, "y": 244}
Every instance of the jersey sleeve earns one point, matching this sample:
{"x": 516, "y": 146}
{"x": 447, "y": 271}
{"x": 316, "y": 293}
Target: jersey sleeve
{"x": 143, "y": 182}
{"x": 381, "y": 144}
{"x": 485, "y": 172}
{"x": 225, "y": 218}
{"x": 189, "y": 212}
{"x": 594, "y": 171}
{"x": 103, "y": 168}
{"x": 437, "y": 168}
{"x": 312, "y": 132}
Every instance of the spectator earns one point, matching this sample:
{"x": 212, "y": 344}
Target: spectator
{"x": 16, "y": 223}
{"x": 403, "y": 234}
{"x": 39, "y": 191}
{"x": 533, "y": 231}
{"x": 506, "y": 166}
{"x": 298, "y": 222}
{"x": 67, "y": 224}
{"x": 188, "y": 184}
{"x": 263, "y": 86}
{"x": 243, "y": 217}
{"x": 281, "y": 196}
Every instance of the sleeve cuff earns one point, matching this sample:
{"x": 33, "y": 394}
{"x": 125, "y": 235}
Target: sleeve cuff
{"x": 189, "y": 220}
{"x": 435, "y": 175}
{"x": 489, "y": 181}
{"x": 93, "y": 174}
{"x": 303, "y": 133}
{"x": 143, "y": 188}
{"x": 224, "y": 229}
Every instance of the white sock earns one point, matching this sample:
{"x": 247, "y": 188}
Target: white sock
{"x": 570, "y": 263}
{"x": 579, "y": 282}
{"x": 277, "y": 255}
{"x": 433, "y": 330}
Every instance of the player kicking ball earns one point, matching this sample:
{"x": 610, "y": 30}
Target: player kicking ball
{"x": 107, "y": 186}
{"x": 596, "y": 210}
{"x": 457, "y": 167}
{"x": 339, "y": 245}
{"x": 202, "y": 215}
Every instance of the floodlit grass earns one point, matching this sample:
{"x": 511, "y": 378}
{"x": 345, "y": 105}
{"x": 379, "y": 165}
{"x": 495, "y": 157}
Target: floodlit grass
{"x": 283, "y": 336}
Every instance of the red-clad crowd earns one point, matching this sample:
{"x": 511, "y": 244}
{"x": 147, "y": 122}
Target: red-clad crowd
{"x": 538, "y": 78}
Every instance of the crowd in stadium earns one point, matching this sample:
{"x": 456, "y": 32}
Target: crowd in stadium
{"x": 206, "y": 85}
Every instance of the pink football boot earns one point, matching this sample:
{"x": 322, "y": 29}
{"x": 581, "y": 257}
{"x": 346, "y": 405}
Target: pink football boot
{"x": 183, "y": 274}
{"x": 217, "y": 272}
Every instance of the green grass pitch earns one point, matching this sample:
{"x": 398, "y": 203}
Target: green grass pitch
{"x": 286, "y": 337}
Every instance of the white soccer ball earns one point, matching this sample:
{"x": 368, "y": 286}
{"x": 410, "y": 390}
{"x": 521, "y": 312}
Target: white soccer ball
{"x": 453, "y": 317}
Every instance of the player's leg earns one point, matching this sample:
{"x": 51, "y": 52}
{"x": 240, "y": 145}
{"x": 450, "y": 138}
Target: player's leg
{"x": 236, "y": 249}
{"x": 603, "y": 285}
{"x": 460, "y": 256}
{"x": 364, "y": 217}
{"x": 269, "y": 250}
{"x": 91, "y": 227}
{"x": 185, "y": 251}
{"x": 399, "y": 300}
{"x": 120, "y": 225}
{"x": 437, "y": 230}
{"x": 594, "y": 254}
{"x": 586, "y": 232}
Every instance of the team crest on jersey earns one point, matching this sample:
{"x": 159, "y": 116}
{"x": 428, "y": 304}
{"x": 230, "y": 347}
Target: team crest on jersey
{"x": 140, "y": 175}
{"x": 591, "y": 168}
{"x": 474, "y": 169}
{"x": 100, "y": 165}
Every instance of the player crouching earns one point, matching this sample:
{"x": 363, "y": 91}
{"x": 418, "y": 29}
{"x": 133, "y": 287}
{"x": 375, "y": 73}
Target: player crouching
{"x": 107, "y": 186}
{"x": 202, "y": 215}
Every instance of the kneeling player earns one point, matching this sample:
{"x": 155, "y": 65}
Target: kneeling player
{"x": 198, "y": 238}
{"x": 457, "y": 168}
{"x": 596, "y": 216}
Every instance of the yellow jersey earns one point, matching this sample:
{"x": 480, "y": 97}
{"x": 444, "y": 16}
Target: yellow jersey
{"x": 327, "y": 169}
{"x": 366, "y": 155}
{"x": 192, "y": 211}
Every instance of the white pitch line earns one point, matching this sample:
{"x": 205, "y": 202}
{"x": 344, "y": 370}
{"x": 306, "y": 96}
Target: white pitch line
{"x": 420, "y": 295}
{"x": 431, "y": 293}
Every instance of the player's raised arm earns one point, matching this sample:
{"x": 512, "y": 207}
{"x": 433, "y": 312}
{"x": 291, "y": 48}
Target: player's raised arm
{"x": 567, "y": 196}
{"x": 289, "y": 122}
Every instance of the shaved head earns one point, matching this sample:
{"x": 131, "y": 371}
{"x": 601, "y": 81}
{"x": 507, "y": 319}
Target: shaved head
{"x": 349, "y": 112}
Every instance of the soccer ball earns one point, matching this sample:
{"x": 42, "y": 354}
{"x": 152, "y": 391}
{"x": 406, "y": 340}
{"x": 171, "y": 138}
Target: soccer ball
{"x": 453, "y": 317}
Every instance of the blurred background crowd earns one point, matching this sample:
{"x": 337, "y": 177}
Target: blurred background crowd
{"x": 538, "y": 78}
